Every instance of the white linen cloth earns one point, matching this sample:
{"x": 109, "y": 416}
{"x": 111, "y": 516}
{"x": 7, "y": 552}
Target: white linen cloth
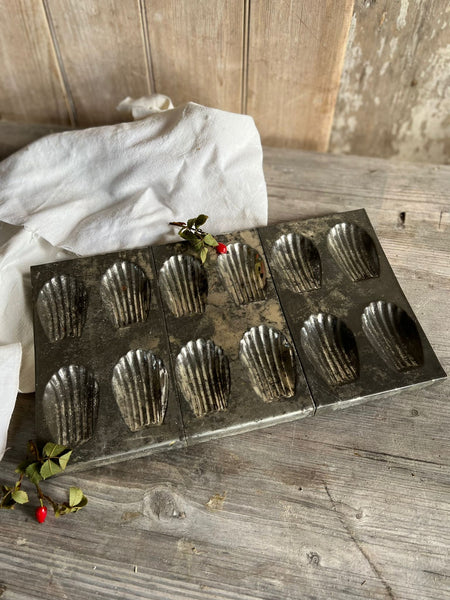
{"x": 9, "y": 380}
{"x": 115, "y": 187}
{"x": 145, "y": 106}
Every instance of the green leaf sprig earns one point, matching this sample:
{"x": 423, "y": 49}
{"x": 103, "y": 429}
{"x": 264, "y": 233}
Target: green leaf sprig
{"x": 200, "y": 240}
{"x": 38, "y": 466}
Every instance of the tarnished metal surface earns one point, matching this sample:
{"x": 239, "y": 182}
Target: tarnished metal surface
{"x": 172, "y": 352}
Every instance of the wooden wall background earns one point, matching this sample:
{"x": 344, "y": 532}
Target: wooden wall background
{"x": 364, "y": 77}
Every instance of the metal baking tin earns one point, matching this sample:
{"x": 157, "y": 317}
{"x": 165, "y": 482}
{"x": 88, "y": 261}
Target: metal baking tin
{"x": 147, "y": 349}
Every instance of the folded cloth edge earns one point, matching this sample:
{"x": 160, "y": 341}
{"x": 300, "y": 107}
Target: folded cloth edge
{"x": 10, "y": 359}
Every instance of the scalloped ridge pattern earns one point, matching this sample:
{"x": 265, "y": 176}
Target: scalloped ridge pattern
{"x": 393, "y": 334}
{"x": 139, "y": 384}
{"x": 70, "y": 404}
{"x": 298, "y": 262}
{"x": 331, "y": 348}
{"x": 203, "y": 375}
{"x": 62, "y": 306}
{"x": 354, "y": 251}
{"x": 269, "y": 358}
{"x": 125, "y": 293}
{"x": 184, "y": 285}
{"x": 243, "y": 273}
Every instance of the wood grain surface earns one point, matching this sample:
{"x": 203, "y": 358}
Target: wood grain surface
{"x": 103, "y": 52}
{"x": 72, "y": 61}
{"x": 197, "y": 50}
{"x": 295, "y": 56}
{"x": 31, "y": 86}
{"x": 393, "y": 99}
{"x": 349, "y": 505}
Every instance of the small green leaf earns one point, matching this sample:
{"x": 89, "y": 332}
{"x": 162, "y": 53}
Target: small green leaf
{"x": 210, "y": 241}
{"x": 20, "y": 496}
{"x": 53, "y": 450}
{"x": 187, "y": 235}
{"x": 197, "y": 245}
{"x": 33, "y": 472}
{"x": 82, "y": 502}
{"x": 66, "y": 508}
{"x": 49, "y": 468}
{"x": 80, "y": 505}
{"x": 203, "y": 254}
{"x": 75, "y": 496}
{"x": 22, "y": 467}
{"x": 190, "y": 223}
{"x": 64, "y": 459}
{"x": 201, "y": 220}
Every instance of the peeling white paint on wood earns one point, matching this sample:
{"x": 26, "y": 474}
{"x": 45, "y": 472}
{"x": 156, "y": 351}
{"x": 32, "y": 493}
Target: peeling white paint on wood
{"x": 394, "y": 98}
{"x": 425, "y": 126}
{"x": 401, "y": 19}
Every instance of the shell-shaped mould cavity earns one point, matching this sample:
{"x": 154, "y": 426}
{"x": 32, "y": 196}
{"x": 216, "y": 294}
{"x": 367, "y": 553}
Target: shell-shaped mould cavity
{"x": 269, "y": 359}
{"x": 125, "y": 293}
{"x": 331, "y": 348}
{"x": 393, "y": 334}
{"x": 354, "y": 251}
{"x": 139, "y": 384}
{"x": 203, "y": 375}
{"x": 70, "y": 405}
{"x": 184, "y": 285}
{"x": 61, "y": 306}
{"x": 243, "y": 273}
{"x": 297, "y": 260}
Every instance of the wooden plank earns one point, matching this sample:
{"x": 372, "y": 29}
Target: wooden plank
{"x": 375, "y": 184}
{"x": 393, "y": 100}
{"x": 296, "y": 50}
{"x": 102, "y": 48}
{"x": 32, "y": 87}
{"x": 196, "y": 50}
{"x": 350, "y": 505}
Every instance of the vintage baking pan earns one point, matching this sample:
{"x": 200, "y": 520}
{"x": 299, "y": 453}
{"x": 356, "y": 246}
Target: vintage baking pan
{"x": 147, "y": 349}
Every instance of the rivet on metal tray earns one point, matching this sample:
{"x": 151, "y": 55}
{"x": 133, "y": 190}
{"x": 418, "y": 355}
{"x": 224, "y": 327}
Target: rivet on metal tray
{"x": 268, "y": 357}
{"x": 243, "y": 273}
{"x": 297, "y": 261}
{"x": 203, "y": 375}
{"x": 125, "y": 293}
{"x": 62, "y": 306}
{"x": 70, "y": 405}
{"x": 354, "y": 251}
{"x": 184, "y": 285}
{"x": 139, "y": 384}
{"x": 393, "y": 334}
{"x": 331, "y": 348}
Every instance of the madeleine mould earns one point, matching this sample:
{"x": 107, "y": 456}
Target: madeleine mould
{"x": 145, "y": 350}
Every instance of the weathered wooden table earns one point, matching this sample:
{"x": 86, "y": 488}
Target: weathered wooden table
{"x": 349, "y": 505}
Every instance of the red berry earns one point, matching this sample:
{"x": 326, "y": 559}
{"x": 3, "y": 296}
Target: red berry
{"x": 221, "y": 248}
{"x": 41, "y": 513}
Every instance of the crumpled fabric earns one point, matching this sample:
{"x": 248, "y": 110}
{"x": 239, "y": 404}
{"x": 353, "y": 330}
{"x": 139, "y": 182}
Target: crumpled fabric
{"x": 145, "y": 106}
{"x": 10, "y": 356}
{"x": 115, "y": 187}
